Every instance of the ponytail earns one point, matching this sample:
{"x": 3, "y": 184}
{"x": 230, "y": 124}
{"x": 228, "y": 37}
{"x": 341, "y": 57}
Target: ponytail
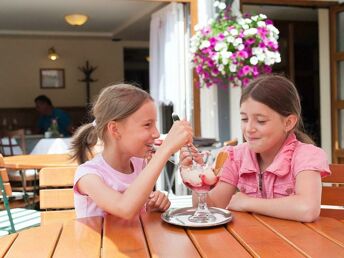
{"x": 82, "y": 142}
{"x": 303, "y": 137}
{"x": 301, "y": 134}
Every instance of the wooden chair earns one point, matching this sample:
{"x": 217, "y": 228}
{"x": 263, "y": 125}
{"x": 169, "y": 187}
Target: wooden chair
{"x": 25, "y": 197}
{"x": 12, "y": 220}
{"x": 13, "y": 143}
{"x": 333, "y": 193}
{"x": 231, "y": 142}
{"x": 56, "y": 194}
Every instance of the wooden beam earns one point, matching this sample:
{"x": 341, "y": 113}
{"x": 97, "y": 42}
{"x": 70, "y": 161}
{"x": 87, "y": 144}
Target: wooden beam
{"x": 308, "y": 3}
{"x": 196, "y": 90}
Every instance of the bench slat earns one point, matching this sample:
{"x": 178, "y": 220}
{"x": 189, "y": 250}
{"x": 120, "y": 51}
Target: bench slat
{"x": 332, "y": 196}
{"x": 337, "y": 174}
{"x": 56, "y": 198}
{"x": 56, "y": 177}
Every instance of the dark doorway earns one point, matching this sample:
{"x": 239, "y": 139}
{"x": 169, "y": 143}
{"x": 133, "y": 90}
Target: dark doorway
{"x": 136, "y": 67}
{"x": 300, "y": 62}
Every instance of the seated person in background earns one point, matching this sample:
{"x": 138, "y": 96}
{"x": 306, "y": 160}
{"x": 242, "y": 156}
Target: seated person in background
{"x": 48, "y": 113}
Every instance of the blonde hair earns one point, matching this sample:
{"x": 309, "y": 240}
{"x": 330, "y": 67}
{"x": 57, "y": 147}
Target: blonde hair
{"x": 114, "y": 103}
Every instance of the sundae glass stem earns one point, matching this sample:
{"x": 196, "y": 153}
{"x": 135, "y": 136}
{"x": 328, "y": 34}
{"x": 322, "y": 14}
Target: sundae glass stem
{"x": 202, "y": 202}
{"x": 202, "y": 213}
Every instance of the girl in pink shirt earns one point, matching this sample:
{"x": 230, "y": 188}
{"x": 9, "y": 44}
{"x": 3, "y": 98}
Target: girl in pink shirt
{"x": 277, "y": 171}
{"x": 117, "y": 181}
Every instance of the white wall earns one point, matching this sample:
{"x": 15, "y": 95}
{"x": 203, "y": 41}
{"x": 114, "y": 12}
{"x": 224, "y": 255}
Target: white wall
{"x": 22, "y": 57}
{"x": 325, "y": 82}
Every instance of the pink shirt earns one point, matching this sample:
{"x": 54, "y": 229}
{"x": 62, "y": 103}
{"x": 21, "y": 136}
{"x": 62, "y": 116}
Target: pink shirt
{"x": 242, "y": 170}
{"x": 84, "y": 205}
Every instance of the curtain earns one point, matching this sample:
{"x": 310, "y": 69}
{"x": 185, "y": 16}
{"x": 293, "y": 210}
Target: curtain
{"x": 169, "y": 68}
{"x": 170, "y": 71}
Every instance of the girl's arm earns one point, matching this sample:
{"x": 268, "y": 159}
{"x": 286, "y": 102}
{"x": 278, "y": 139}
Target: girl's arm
{"x": 304, "y": 206}
{"x": 128, "y": 204}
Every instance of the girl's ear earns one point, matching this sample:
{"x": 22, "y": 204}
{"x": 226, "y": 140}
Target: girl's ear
{"x": 112, "y": 128}
{"x": 290, "y": 122}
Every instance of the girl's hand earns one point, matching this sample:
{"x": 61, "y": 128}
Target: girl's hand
{"x": 158, "y": 201}
{"x": 189, "y": 154}
{"x": 179, "y": 135}
{"x": 237, "y": 202}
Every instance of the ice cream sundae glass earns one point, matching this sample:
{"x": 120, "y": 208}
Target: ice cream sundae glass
{"x": 200, "y": 179}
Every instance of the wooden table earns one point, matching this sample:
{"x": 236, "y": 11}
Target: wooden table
{"x": 38, "y": 161}
{"x": 246, "y": 236}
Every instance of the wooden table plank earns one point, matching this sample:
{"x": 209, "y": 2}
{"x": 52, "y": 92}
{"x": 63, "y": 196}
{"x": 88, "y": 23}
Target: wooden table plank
{"x": 303, "y": 238}
{"x": 259, "y": 240}
{"x": 80, "y": 238}
{"x": 38, "y": 161}
{"x": 123, "y": 238}
{"x": 216, "y": 242}
{"x": 165, "y": 240}
{"x": 35, "y": 242}
{"x": 330, "y": 228}
{"x": 6, "y": 242}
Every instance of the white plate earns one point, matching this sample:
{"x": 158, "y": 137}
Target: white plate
{"x": 180, "y": 217}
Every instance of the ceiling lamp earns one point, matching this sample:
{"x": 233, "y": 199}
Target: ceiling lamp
{"x": 76, "y": 19}
{"x": 52, "y": 55}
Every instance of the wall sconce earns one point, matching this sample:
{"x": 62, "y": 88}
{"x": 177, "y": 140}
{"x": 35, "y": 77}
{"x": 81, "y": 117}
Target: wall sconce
{"x": 76, "y": 19}
{"x": 52, "y": 55}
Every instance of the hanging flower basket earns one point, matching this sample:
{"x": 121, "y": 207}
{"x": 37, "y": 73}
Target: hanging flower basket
{"x": 230, "y": 51}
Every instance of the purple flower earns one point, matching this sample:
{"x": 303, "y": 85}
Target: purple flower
{"x": 245, "y": 81}
{"x": 242, "y": 54}
{"x": 249, "y": 41}
{"x": 272, "y": 45}
{"x": 221, "y": 36}
{"x": 205, "y": 31}
{"x": 246, "y": 69}
{"x": 198, "y": 69}
{"x": 262, "y": 31}
{"x": 267, "y": 69}
{"x": 210, "y": 63}
{"x": 261, "y": 45}
{"x": 255, "y": 71}
{"x": 269, "y": 22}
{"x": 212, "y": 41}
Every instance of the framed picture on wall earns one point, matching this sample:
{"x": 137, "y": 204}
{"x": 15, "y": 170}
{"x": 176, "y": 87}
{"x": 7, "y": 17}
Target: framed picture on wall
{"x": 52, "y": 78}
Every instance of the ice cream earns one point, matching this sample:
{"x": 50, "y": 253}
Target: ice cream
{"x": 199, "y": 178}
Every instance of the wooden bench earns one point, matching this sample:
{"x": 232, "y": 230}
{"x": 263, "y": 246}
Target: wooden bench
{"x": 333, "y": 193}
{"x": 56, "y": 194}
